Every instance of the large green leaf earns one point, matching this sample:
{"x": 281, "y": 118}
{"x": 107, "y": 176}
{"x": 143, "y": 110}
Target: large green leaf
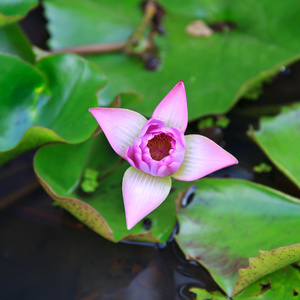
{"x": 14, "y": 41}
{"x": 280, "y": 285}
{"x": 46, "y": 103}
{"x": 279, "y": 138}
{"x": 14, "y": 10}
{"x": 62, "y": 175}
{"x": 229, "y": 221}
{"x": 217, "y": 70}
{"x": 97, "y": 21}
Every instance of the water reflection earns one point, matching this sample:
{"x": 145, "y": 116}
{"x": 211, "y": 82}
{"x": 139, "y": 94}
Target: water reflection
{"x": 45, "y": 253}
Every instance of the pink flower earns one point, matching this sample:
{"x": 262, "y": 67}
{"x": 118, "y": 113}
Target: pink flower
{"x": 158, "y": 150}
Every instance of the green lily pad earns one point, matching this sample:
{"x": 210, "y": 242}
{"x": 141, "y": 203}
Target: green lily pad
{"x": 265, "y": 263}
{"x": 280, "y": 285}
{"x": 202, "y": 294}
{"x": 231, "y": 220}
{"x": 217, "y": 70}
{"x": 46, "y": 103}
{"x": 14, "y": 10}
{"x": 62, "y": 174}
{"x": 13, "y": 41}
{"x": 278, "y": 137}
{"x": 102, "y": 21}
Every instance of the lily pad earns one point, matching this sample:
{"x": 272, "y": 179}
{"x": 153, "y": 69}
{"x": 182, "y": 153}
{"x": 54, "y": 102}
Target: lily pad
{"x": 13, "y": 41}
{"x": 46, "y": 103}
{"x": 202, "y": 294}
{"x": 61, "y": 174}
{"x": 217, "y": 70}
{"x": 14, "y": 10}
{"x": 265, "y": 263}
{"x": 278, "y": 136}
{"x": 229, "y": 221}
{"x": 280, "y": 285}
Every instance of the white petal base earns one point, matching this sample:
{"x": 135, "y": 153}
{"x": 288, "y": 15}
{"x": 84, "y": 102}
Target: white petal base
{"x": 121, "y": 126}
{"x": 142, "y": 193}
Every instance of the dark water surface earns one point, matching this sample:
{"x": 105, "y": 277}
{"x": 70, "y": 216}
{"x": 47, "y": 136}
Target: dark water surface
{"x": 45, "y": 253}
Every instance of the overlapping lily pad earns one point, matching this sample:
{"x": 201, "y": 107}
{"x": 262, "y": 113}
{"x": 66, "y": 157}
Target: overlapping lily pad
{"x": 217, "y": 70}
{"x": 280, "y": 285}
{"x": 229, "y": 221}
{"x": 13, "y": 41}
{"x": 46, "y": 103}
{"x": 278, "y": 137}
{"x": 14, "y": 10}
{"x": 62, "y": 168}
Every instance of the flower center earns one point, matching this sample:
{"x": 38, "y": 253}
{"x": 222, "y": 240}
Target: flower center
{"x": 160, "y": 146}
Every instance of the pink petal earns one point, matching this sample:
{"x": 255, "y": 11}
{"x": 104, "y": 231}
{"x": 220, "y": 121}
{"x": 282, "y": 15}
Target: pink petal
{"x": 121, "y": 126}
{"x": 202, "y": 157}
{"x": 173, "y": 108}
{"x": 142, "y": 193}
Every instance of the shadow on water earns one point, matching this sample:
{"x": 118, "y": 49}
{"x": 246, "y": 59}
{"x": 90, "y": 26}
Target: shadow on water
{"x": 45, "y": 253}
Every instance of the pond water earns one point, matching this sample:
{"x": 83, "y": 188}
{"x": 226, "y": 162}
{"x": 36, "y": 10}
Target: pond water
{"x": 45, "y": 253}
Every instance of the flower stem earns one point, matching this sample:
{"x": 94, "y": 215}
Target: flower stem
{"x": 94, "y": 48}
{"x": 137, "y": 35}
{"x": 125, "y": 46}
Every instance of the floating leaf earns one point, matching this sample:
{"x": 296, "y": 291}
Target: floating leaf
{"x": 222, "y": 122}
{"x": 14, "y": 10}
{"x": 100, "y": 21}
{"x": 206, "y": 122}
{"x": 277, "y": 137}
{"x": 266, "y": 263}
{"x": 205, "y": 295}
{"x": 280, "y": 285}
{"x": 229, "y": 221}
{"x": 61, "y": 175}
{"x": 262, "y": 168}
{"x": 217, "y": 70}
{"x": 13, "y": 41}
{"x": 46, "y": 103}
{"x": 90, "y": 181}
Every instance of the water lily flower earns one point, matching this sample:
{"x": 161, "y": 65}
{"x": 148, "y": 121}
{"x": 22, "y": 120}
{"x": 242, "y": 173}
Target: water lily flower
{"x": 157, "y": 150}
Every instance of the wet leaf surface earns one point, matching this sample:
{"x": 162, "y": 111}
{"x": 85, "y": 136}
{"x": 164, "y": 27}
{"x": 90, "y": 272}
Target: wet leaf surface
{"x": 13, "y": 41}
{"x": 277, "y": 137}
{"x": 14, "y": 10}
{"x": 267, "y": 262}
{"x": 228, "y": 221}
{"x": 217, "y": 70}
{"x": 46, "y": 103}
{"x": 282, "y": 285}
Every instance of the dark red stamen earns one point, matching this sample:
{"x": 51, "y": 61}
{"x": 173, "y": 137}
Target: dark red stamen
{"x": 160, "y": 146}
